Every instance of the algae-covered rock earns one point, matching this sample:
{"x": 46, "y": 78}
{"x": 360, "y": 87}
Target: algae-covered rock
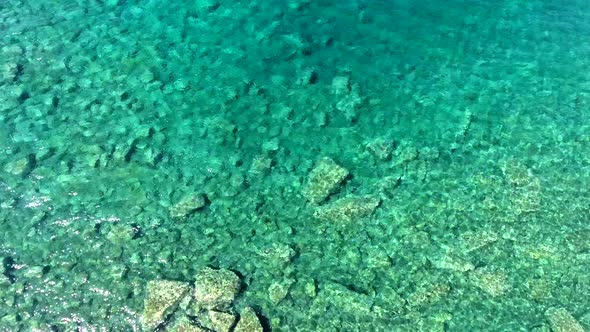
{"x": 216, "y": 289}
{"x": 494, "y": 283}
{"x": 205, "y": 5}
{"x": 324, "y": 180}
{"x": 249, "y": 322}
{"x": 341, "y": 85}
{"x": 20, "y": 167}
{"x": 428, "y": 294}
{"x": 348, "y": 209}
{"x": 183, "y": 324}
{"x": 279, "y": 290}
{"x": 380, "y": 148}
{"x": 472, "y": 241}
{"x": 187, "y": 205}
{"x": 562, "y": 321}
{"x": 162, "y": 299}
{"x": 334, "y": 296}
{"x": 277, "y": 255}
{"x": 217, "y": 320}
{"x": 449, "y": 261}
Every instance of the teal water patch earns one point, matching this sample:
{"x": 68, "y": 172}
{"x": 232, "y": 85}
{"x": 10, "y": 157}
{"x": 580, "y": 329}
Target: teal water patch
{"x": 294, "y": 165}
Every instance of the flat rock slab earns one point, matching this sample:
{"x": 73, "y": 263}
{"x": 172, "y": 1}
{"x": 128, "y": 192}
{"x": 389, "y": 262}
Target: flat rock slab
{"x": 187, "y": 205}
{"x": 562, "y": 321}
{"x": 323, "y": 180}
{"x": 249, "y": 322}
{"x": 216, "y": 289}
{"x": 348, "y": 209}
{"x": 162, "y": 299}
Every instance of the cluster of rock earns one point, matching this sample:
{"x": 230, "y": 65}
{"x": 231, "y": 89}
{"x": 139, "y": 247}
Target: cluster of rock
{"x": 178, "y": 306}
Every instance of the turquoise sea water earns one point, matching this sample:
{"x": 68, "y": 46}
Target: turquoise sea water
{"x": 358, "y": 165}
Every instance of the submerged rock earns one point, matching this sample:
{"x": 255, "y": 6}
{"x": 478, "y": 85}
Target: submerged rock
{"x": 183, "y": 324}
{"x": 217, "y": 320}
{"x": 348, "y": 209}
{"x": 324, "y": 180}
{"x": 249, "y": 322}
{"x": 187, "y": 205}
{"x": 216, "y": 289}
{"x": 562, "y": 321}
{"x": 494, "y": 283}
{"x": 162, "y": 299}
{"x": 21, "y": 167}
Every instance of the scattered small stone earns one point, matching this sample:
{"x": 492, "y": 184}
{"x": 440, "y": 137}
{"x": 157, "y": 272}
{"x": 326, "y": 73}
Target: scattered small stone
{"x": 161, "y": 301}
{"x": 249, "y": 322}
{"x": 492, "y": 282}
{"x": 324, "y": 180}
{"x": 562, "y": 321}
{"x": 187, "y": 205}
{"x": 348, "y": 209}
{"x": 216, "y": 289}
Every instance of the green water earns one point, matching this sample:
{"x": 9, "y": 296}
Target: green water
{"x": 359, "y": 165}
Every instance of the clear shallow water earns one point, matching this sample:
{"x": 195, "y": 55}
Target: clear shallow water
{"x": 465, "y": 121}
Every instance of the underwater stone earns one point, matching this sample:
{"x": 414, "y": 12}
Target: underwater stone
{"x": 261, "y": 164}
{"x": 206, "y": 5}
{"x": 429, "y": 294}
{"x": 187, "y": 205}
{"x": 448, "y": 261}
{"x": 472, "y": 241}
{"x": 183, "y": 324}
{"x": 348, "y": 209}
{"x": 162, "y": 299}
{"x": 278, "y": 291}
{"x": 340, "y": 85}
{"x": 380, "y": 148}
{"x": 217, "y": 320}
{"x": 562, "y": 321}
{"x": 249, "y": 322}
{"x": 20, "y": 167}
{"x": 278, "y": 255}
{"x": 324, "y": 180}
{"x": 493, "y": 283}
{"x": 216, "y": 289}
